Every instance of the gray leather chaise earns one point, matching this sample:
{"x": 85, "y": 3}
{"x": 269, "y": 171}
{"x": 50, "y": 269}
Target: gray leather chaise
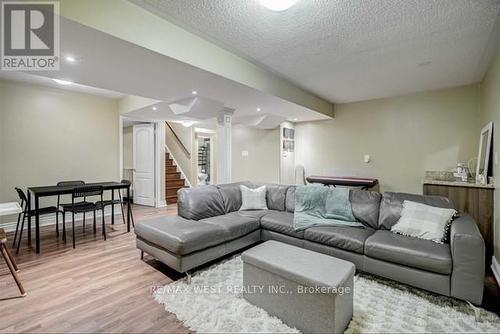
{"x": 210, "y": 226}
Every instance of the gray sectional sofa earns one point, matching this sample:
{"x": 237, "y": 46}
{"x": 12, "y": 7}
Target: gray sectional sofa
{"x": 209, "y": 226}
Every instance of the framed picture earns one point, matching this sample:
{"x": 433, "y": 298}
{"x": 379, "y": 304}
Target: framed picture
{"x": 288, "y": 133}
{"x": 483, "y": 157}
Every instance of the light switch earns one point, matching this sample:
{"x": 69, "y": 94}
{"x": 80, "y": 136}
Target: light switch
{"x": 367, "y": 158}
{"x": 244, "y": 153}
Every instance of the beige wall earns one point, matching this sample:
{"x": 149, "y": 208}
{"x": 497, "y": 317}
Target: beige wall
{"x": 48, "y": 135}
{"x": 405, "y": 136}
{"x": 262, "y": 163}
{"x": 490, "y": 111}
{"x": 128, "y": 147}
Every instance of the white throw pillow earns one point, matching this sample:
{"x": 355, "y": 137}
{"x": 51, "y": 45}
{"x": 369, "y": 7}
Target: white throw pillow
{"x": 424, "y": 221}
{"x": 253, "y": 199}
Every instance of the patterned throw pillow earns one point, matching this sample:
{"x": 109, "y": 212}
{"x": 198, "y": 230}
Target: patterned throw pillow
{"x": 424, "y": 221}
{"x": 253, "y": 199}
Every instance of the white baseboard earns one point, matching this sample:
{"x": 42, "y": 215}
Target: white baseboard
{"x": 161, "y": 204}
{"x": 495, "y": 267}
{"x": 51, "y": 219}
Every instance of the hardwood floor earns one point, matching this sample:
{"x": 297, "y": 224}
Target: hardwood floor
{"x": 101, "y": 286}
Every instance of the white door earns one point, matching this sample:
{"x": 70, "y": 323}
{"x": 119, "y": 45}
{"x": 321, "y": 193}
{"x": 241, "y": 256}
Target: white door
{"x": 144, "y": 164}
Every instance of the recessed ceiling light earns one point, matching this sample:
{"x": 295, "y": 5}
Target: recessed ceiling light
{"x": 295, "y": 119}
{"x": 155, "y": 108}
{"x": 278, "y": 5}
{"x": 258, "y": 109}
{"x": 187, "y": 124}
{"x": 194, "y": 92}
{"x": 70, "y": 59}
{"x": 62, "y": 82}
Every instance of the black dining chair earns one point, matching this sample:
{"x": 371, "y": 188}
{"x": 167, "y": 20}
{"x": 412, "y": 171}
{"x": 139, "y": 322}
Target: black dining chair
{"x": 83, "y": 206}
{"x": 120, "y": 201}
{"x": 62, "y": 184}
{"x": 128, "y": 199}
{"x": 28, "y": 214}
{"x": 109, "y": 202}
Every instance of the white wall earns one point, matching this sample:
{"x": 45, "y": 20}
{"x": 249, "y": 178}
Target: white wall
{"x": 262, "y": 163}
{"x": 405, "y": 136}
{"x": 49, "y": 135}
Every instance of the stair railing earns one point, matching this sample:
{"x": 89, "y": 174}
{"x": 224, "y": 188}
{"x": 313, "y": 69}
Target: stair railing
{"x": 179, "y": 142}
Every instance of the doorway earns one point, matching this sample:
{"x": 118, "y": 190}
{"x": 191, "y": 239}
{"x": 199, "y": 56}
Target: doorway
{"x": 205, "y": 158}
{"x": 144, "y": 163}
{"x": 140, "y": 160}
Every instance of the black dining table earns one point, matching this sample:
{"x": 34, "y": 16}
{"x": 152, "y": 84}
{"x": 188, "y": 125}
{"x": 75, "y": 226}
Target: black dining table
{"x": 47, "y": 191}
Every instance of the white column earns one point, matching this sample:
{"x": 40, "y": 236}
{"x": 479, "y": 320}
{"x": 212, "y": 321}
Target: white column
{"x": 160, "y": 164}
{"x": 224, "y": 139}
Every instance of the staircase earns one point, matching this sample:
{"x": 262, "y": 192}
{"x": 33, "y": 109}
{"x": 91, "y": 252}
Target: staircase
{"x": 173, "y": 180}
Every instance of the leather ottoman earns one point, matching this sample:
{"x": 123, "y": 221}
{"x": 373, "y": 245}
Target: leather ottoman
{"x": 307, "y": 290}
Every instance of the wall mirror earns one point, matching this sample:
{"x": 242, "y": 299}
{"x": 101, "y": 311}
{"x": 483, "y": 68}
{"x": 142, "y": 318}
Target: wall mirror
{"x": 483, "y": 158}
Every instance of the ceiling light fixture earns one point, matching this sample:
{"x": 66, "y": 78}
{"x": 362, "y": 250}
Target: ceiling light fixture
{"x": 295, "y": 119}
{"x": 194, "y": 92}
{"x": 278, "y": 5}
{"x": 62, "y": 82}
{"x": 259, "y": 109}
{"x": 187, "y": 124}
{"x": 70, "y": 59}
{"x": 155, "y": 108}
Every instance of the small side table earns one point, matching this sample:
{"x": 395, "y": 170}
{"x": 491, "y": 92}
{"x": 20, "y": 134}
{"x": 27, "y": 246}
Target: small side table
{"x": 10, "y": 209}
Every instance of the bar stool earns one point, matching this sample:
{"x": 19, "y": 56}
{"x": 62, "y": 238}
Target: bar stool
{"x": 11, "y": 263}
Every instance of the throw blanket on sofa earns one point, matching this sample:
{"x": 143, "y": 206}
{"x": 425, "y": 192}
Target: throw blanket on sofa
{"x": 317, "y": 205}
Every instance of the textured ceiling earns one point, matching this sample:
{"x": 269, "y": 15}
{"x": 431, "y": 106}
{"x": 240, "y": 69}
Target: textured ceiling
{"x": 354, "y": 50}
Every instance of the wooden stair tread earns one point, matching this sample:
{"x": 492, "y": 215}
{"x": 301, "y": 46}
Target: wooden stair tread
{"x": 173, "y": 180}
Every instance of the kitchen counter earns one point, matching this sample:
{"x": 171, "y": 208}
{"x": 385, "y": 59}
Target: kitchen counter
{"x": 458, "y": 184}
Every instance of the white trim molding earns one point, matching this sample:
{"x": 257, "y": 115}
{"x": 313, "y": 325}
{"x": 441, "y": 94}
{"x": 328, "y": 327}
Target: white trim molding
{"x": 120, "y": 148}
{"x": 495, "y": 267}
{"x": 224, "y": 141}
{"x": 160, "y": 201}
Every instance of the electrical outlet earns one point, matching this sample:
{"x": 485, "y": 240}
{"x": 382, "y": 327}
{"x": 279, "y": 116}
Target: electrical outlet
{"x": 367, "y": 158}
